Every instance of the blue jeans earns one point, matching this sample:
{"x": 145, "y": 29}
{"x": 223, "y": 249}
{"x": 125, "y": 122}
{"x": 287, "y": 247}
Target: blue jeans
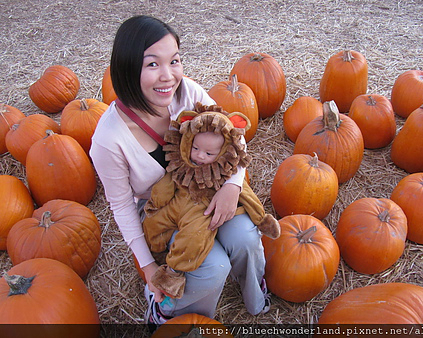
{"x": 238, "y": 252}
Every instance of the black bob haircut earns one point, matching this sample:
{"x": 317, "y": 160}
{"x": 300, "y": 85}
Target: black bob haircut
{"x": 133, "y": 37}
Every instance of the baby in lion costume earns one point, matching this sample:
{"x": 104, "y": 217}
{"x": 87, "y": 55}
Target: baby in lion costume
{"x": 179, "y": 199}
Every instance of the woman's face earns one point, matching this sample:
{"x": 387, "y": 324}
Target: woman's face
{"x": 161, "y": 72}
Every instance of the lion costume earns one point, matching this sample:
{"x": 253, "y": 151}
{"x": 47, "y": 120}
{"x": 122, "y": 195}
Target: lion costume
{"x": 179, "y": 199}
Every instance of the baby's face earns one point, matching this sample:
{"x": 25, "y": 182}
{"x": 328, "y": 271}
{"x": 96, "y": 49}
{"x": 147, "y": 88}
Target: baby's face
{"x": 206, "y": 147}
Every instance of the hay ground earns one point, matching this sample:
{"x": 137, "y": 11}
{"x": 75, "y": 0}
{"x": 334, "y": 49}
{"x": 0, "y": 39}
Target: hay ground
{"x": 301, "y": 35}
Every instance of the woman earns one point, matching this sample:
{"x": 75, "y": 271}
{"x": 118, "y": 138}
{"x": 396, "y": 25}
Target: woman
{"x": 147, "y": 76}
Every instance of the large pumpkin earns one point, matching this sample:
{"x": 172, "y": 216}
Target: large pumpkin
{"x": 107, "y": 90}
{"x": 15, "y": 204}
{"x": 371, "y": 234}
{"x": 63, "y": 230}
{"x": 192, "y": 325}
{"x": 299, "y": 114}
{"x": 26, "y": 132}
{"x": 336, "y": 139}
{"x": 345, "y": 77}
{"x": 318, "y": 182}
{"x": 407, "y": 92}
{"x": 8, "y": 117}
{"x": 389, "y": 303}
{"x": 375, "y": 118}
{"x": 54, "y": 89}
{"x": 45, "y": 291}
{"x": 79, "y": 120}
{"x": 264, "y": 75}
{"x": 407, "y": 147}
{"x": 58, "y": 168}
{"x": 408, "y": 194}
{"x": 303, "y": 261}
{"x": 234, "y": 96}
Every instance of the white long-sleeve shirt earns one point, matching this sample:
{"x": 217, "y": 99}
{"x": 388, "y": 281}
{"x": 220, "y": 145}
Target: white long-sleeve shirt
{"x": 128, "y": 172}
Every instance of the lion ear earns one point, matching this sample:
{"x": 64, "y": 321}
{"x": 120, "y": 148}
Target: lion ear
{"x": 239, "y": 120}
{"x": 186, "y": 115}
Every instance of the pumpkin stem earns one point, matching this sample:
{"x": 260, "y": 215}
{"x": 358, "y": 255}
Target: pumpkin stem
{"x": 46, "y": 221}
{"x": 18, "y": 285}
{"x": 384, "y": 216}
{"x": 256, "y": 57}
{"x": 371, "y": 101}
{"x": 49, "y": 132}
{"x": 84, "y": 105}
{"x": 331, "y": 118}
{"x": 347, "y": 56}
{"x": 233, "y": 86}
{"x": 3, "y": 109}
{"x": 314, "y": 162}
{"x": 305, "y": 236}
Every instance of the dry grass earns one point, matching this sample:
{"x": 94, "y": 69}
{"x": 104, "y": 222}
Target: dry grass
{"x": 215, "y": 34}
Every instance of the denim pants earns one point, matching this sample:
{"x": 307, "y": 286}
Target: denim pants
{"x": 238, "y": 252}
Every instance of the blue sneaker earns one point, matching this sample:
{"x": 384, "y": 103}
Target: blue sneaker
{"x": 266, "y": 294}
{"x": 153, "y": 317}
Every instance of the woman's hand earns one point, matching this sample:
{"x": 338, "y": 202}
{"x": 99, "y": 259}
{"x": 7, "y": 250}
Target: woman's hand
{"x": 149, "y": 271}
{"x": 224, "y": 203}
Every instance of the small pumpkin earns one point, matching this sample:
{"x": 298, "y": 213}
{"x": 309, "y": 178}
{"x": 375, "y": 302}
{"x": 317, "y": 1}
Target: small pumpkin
{"x": 345, "y": 77}
{"x": 407, "y": 146}
{"x": 15, "y": 204}
{"x": 301, "y": 112}
{"x": 375, "y": 118}
{"x": 234, "y": 96}
{"x": 79, "y": 120}
{"x": 26, "y": 132}
{"x": 192, "y": 325}
{"x": 45, "y": 291}
{"x": 63, "y": 230}
{"x": 371, "y": 234}
{"x": 264, "y": 75}
{"x": 54, "y": 89}
{"x": 58, "y": 168}
{"x": 318, "y": 182}
{"x": 303, "y": 261}
{"x": 8, "y": 117}
{"x": 407, "y": 92}
{"x": 387, "y": 303}
{"x": 107, "y": 90}
{"x": 336, "y": 139}
{"x": 408, "y": 194}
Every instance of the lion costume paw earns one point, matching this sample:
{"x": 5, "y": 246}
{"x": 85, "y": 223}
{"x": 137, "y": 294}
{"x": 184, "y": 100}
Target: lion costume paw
{"x": 170, "y": 282}
{"x": 270, "y": 227}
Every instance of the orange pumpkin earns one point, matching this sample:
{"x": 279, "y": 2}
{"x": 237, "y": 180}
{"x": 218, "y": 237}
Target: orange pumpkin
{"x": 234, "y": 96}
{"x": 371, "y": 234}
{"x": 192, "y": 325}
{"x": 45, "y": 291}
{"x": 407, "y": 92}
{"x": 336, "y": 139}
{"x": 107, "y": 90}
{"x": 79, "y": 120}
{"x": 301, "y": 112}
{"x": 407, "y": 147}
{"x": 58, "y": 168}
{"x": 318, "y": 182}
{"x": 375, "y": 118}
{"x": 15, "y": 204}
{"x": 408, "y": 194}
{"x": 264, "y": 75}
{"x": 388, "y": 303}
{"x": 303, "y": 261}
{"x": 345, "y": 77}
{"x": 54, "y": 89}
{"x": 63, "y": 230}
{"x": 8, "y": 117}
{"x": 26, "y": 132}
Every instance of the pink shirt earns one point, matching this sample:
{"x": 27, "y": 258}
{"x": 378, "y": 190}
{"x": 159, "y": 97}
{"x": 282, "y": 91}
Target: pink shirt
{"x": 128, "y": 172}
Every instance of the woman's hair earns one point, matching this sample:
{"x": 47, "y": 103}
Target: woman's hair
{"x": 133, "y": 37}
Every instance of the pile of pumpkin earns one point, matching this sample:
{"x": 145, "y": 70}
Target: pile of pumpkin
{"x": 328, "y": 150}
{"x": 329, "y": 138}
